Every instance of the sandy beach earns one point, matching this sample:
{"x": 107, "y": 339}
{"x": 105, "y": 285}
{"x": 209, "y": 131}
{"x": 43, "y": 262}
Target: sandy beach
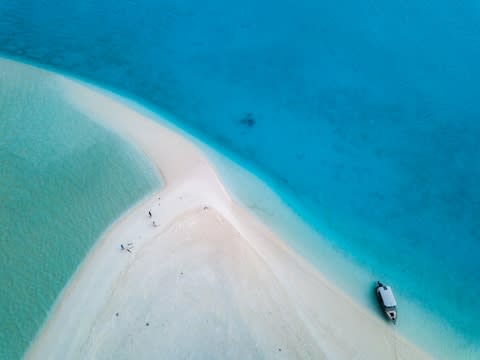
{"x": 209, "y": 280}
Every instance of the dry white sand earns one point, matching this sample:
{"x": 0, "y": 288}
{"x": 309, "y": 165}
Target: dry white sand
{"x": 206, "y": 283}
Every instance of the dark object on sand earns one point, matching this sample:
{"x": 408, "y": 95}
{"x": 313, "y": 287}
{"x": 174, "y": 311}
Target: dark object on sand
{"x": 127, "y": 248}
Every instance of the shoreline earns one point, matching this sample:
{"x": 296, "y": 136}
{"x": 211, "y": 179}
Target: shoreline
{"x": 211, "y": 281}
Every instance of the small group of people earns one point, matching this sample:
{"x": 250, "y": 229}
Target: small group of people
{"x": 150, "y": 216}
{"x": 127, "y": 247}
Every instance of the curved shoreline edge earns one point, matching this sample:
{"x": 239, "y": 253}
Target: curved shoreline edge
{"x": 62, "y": 184}
{"x": 207, "y": 281}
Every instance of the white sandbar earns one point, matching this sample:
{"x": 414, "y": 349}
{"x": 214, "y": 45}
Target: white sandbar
{"x": 210, "y": 281}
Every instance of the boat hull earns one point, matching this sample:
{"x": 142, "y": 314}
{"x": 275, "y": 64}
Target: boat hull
{"x": 387, "y": 302}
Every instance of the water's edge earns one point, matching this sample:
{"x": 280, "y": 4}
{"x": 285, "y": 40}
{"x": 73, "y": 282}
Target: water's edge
{"x": 65, "y": 179}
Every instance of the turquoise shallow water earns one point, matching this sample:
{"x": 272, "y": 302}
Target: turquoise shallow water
{"x": 63, "y": 180}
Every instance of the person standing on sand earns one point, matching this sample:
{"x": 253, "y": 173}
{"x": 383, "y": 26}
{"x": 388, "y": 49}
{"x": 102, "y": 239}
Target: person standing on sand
{"x": 149, "y": 213}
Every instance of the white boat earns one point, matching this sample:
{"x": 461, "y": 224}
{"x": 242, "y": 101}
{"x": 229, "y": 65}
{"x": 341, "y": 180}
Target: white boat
{"x": 387, "y": 300}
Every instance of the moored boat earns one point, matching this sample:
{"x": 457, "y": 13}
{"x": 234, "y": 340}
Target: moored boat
{"x": 387, "y": 301}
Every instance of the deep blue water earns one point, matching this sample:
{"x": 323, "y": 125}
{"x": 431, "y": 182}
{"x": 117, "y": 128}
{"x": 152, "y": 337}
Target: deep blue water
{"x": 368, "y": 112}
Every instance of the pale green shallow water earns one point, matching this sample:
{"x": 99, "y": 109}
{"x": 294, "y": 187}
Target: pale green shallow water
{"x": 63, "y": 180}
